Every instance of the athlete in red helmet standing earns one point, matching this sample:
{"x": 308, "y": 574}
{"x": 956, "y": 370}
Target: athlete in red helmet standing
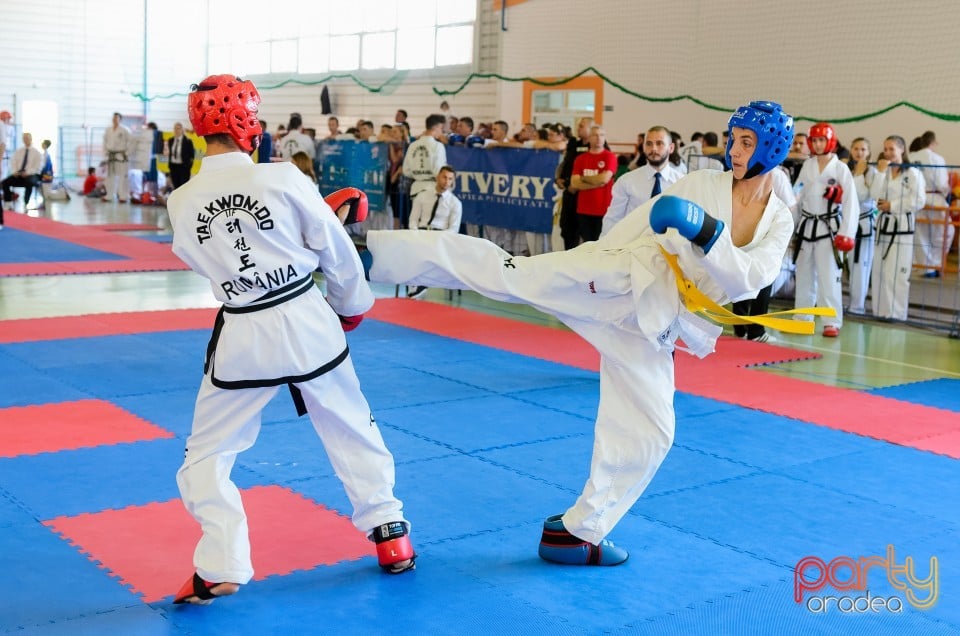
{"x": 829, "y": 213}
{"x": 258, "y": 232}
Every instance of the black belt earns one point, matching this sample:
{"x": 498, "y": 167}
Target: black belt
{"x": 861, "y": 236}
{"x": 275, "y": 297}
{"x": 271, "y": 299}
{"x": 807, "y": 218}
{"x": 888, "y": 224}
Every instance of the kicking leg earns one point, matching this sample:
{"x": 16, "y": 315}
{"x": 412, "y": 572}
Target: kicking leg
{"x": 582, "y": 284}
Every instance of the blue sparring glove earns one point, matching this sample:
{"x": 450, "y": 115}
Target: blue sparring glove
{"x": 688, "y": 218}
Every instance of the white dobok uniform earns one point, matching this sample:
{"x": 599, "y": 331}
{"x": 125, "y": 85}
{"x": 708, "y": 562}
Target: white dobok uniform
{"x": 860, "y": 260}
{"x": 422, "y": 162}
{"x": 934, "y": 237}
{"x": 117, "y": 144}
{"x": 258, "y": 232}
{"x": 297, "y": 141}
{"x": 818, "y": 264}
{"x": 634, "y": 189}
{"x": 895, "y": 229}
{"x": 621, "y": 296}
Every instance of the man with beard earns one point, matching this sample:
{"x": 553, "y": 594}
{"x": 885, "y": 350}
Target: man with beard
{"x": 639, "y": 186}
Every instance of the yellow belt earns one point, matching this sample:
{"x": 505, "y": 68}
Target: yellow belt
{"x": 699, "y": 303}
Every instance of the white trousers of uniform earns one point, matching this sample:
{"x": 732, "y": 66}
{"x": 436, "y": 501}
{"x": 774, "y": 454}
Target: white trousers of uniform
{"x": 818, "y": 280}
{"x": 934, "y": 233}
{"x": 118, "y": 180}
{"x": 891, "y": 276}
{"x": 227, "y": 421}
{"x": 860, "y": 269}
{"x": 635, "y": 422}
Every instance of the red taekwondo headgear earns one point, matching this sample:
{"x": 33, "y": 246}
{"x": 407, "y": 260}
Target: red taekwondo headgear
{"x": 825, "y": 130}
{"x": 226, "y": 104}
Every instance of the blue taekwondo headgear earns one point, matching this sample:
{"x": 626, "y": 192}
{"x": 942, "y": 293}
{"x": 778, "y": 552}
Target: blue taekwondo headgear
{"x": 774, "y": 130}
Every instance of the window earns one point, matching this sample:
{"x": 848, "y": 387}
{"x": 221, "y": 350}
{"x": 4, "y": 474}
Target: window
{"x": 339, "y": 35}
{"x": 563, "y": 103}
{"x": 41, "y": 119}
{"x": 563, "y": 106}
{"x": 378, "y": 50}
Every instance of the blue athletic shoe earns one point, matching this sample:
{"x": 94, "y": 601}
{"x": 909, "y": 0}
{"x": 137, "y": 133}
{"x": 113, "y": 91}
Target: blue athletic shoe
{"x": 559, "y": 546}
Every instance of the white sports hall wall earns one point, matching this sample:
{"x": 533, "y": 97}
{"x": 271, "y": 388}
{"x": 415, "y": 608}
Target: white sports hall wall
{"x": 820, "y": 59}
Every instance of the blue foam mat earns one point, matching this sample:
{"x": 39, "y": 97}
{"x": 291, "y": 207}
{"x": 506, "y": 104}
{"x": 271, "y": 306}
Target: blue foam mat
{"x": 140, "y": 619}
{"x": 905, "y": 478}
{"x": 46, "y": 580}
{"x": 487, "y": 443}
{"x": 784, "y": 519}
{"x": 95, "y": 479}
{"x": 485, "y": 422}
{"x": 18, "y": 246}
{"x": 943, "y": 393}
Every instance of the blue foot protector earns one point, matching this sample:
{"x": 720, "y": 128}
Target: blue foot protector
{"x": 559, "y": 546}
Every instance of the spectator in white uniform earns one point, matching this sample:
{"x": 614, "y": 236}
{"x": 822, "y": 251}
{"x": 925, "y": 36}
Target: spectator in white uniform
{"x": 860, "y": 260}
{"x": 900, "y": 191}
{"x": 296, "y": 140}
{"x": 829, "y": 213}
{"x": 6, "y": 134}
{"x": 934, "y": 234}
{"x": 117, "y": 142}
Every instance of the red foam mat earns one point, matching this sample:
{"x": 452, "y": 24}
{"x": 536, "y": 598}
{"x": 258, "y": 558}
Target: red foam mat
{"x": 140, "y": 255}
{"x": 46, "y": 428}
{"x": 724, "y": 376}
{"x": 148, "y": 547}
{"x": 112, "y": 324}
{"x": 124, "y": 227}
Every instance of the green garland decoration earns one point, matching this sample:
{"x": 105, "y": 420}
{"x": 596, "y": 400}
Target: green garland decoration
{"x": 392, "y": 82}
{"x": 589, "y": 69}
{"x": 397, "y": 78}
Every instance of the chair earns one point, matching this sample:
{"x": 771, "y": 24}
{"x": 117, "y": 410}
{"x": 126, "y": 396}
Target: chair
{"x": 36, "y": 193}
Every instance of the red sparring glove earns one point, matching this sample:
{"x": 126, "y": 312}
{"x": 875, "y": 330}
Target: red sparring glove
{"x": 843, "y": 243}
{"x": 349, "y": 323}
{"x": 355, "y": 202}
{"x": 833, "y": 193}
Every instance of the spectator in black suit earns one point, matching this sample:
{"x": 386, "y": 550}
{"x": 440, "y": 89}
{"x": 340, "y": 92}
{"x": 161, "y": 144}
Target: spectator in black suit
{"x": 25, "y": 165}
{"x": 180, "y": 156}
